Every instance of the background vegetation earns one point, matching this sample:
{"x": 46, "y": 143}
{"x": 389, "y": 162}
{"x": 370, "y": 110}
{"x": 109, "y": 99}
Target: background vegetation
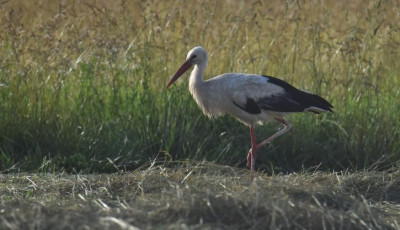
{"x": 82, "y": 82}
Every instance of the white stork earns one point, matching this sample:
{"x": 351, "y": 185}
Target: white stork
{"x": 250, "y": 98}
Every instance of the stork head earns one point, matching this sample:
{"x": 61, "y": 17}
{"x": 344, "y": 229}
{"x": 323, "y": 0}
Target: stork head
{"x": 196, "y": 56}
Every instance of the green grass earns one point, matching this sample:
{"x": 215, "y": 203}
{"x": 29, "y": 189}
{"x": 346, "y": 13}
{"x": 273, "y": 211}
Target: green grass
{"x": 83, "y": 82}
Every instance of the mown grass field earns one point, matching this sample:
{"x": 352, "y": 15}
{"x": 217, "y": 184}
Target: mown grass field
{"x": 83, "y": 111}
{"x": 194, "y": 195}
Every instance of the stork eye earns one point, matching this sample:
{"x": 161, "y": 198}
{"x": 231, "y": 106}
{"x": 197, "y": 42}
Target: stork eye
{"x": 194, "y": 56}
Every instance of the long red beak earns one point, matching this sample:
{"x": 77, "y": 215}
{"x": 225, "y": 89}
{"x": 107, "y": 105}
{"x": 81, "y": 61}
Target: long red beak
{"x": 185, "y": 66}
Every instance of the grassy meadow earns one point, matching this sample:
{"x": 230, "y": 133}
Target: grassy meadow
{"x": 83, "y": 82}
{"x": 85, "y": 119}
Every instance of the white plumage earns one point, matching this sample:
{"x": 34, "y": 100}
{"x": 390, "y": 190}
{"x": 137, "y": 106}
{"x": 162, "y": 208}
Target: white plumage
{"x": 250, "y": 98}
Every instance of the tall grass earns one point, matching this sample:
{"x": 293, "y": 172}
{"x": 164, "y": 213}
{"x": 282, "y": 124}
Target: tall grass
{"x": 82, "y": 81}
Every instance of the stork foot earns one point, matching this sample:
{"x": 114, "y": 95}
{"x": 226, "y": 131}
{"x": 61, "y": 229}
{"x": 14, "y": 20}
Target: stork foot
{"x": 248, "y": 165}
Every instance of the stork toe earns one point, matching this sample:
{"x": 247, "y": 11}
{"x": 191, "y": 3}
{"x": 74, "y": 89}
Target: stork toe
{"x": 248, "y": 165}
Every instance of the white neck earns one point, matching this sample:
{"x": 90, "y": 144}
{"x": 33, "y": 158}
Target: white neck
{"x": 203, "y": 93}
{"x": 196, "y": 77}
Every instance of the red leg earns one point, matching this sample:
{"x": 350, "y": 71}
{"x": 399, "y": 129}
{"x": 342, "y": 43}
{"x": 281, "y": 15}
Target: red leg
{"x": 253, "y": 149}
{"x": 286, "y": 127}
{"x": 252, "y": 155}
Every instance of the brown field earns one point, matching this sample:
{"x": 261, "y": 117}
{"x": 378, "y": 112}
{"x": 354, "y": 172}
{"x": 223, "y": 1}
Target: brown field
{"x": 201, "y": 196}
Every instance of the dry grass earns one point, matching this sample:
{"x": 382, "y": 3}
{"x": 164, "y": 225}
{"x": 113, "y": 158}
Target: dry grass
{"x": 193, "y": 195}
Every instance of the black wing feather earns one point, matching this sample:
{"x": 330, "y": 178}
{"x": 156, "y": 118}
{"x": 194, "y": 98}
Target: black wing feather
{"x": 251, "y": 106}
{"x": 292, "y": 100}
